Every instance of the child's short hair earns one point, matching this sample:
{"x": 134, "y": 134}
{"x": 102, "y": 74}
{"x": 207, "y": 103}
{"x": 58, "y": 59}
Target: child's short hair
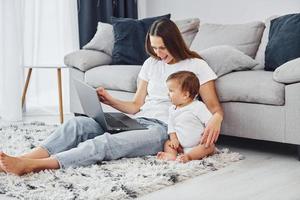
{"x": 188, "y": 81}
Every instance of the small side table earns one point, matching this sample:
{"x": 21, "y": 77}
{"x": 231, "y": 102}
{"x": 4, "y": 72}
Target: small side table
{"x": 58, "y": 68}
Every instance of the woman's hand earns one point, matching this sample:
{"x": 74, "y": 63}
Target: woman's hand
{"x": 212, "y": 130}
{"x": 104, "y": 96}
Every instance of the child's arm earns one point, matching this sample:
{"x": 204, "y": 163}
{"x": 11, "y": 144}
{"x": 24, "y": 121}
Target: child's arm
{"x": 174, "y": 142}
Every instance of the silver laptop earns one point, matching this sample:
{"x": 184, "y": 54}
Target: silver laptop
{"x": 110, "y": 122}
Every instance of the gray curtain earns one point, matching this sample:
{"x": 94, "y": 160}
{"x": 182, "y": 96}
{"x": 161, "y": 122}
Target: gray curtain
{"x": 92, "y": 11}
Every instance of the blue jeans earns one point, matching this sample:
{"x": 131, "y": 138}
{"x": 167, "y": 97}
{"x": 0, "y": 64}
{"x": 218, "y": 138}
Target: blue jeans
{"x": 82, "y": 141}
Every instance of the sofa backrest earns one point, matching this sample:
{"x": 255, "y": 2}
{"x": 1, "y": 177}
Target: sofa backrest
{"x": 244, "y": 37}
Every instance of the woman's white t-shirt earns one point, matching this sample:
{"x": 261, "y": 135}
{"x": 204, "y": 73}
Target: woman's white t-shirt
{"x": 156, "y": 72}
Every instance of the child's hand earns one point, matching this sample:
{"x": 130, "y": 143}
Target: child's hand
{"x": 174, "y": 144}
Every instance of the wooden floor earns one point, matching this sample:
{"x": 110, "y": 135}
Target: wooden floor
{"x": 269, "y": 171}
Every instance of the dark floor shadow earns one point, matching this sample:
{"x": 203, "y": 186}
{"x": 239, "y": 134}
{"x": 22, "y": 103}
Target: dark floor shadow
{"x": 258, "y": 145}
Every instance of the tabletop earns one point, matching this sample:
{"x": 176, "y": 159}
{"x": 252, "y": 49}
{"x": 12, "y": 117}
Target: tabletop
{"x": 47, "y": 67}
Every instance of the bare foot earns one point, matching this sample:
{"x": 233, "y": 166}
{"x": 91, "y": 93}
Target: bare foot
{"x": 1, "y": 170}
{"x": 183, "y": 158}
{"x": 165, "y": 156}
{"x": 14, "y": 165}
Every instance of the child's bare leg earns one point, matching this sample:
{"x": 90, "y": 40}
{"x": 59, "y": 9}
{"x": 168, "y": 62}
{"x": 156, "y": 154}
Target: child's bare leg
{"x": 20, "y": 165}
{"x": 197, "y": 153}
{"x": 168, "y": 154}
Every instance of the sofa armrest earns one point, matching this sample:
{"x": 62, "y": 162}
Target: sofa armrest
{"x": 289, "y": 72}
{"x": 86, "y": 59}
{"x": 292, "y": 113}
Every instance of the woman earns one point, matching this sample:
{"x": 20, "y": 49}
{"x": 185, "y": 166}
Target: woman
{"x": 81, "y": 141}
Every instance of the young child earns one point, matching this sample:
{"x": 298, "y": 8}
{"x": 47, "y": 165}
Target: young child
{"x": 187, "y": 119}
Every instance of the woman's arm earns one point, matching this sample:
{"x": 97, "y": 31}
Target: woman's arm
{"x": 209, "y": 97}
{"x": 130, "y": 107}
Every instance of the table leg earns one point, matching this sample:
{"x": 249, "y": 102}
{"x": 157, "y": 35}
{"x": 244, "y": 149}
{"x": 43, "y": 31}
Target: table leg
{"x": 60, "y": 96}
{"x": 26, "y": 86}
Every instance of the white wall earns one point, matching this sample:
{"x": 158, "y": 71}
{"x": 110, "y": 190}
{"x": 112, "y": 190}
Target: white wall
{"x": 218, "y": 11}
{"x": 50, "y": 32}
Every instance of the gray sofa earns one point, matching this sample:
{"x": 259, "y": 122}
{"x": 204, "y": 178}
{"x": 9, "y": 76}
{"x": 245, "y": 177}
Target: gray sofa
{"x": 258, "y": 104}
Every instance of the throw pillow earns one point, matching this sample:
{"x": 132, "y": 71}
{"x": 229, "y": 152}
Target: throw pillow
{"x": 129, "y": 34}
{"x": 244, "y": 37}
{"x": 225, "y": 59}
{"x": 86, "y": 59}
{"x": 289, "y": 72}
{"x": 284, "y": 41}
{"x": 103, "y": 40}
{"x": 188, "y": 29}
{"x": 260, "y": 54}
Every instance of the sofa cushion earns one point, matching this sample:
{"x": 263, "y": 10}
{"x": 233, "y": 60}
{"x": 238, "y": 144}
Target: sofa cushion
{"x": 188, "y": 29}
{"x": 130, "y": 34}
{"x": 117, "y": 77}
{"x": 244, "y": 37}
{"x": 224, "y": 59}
{"x": 289, "y": 72}
{"x": 103, "y": 39}
{"x": 250, "y": 86}
{"x": 284, "y": 41}
{"x": 86, "y": 59}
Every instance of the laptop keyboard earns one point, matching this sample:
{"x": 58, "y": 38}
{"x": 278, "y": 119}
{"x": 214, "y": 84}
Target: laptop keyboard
{"x": 112, "y": 122}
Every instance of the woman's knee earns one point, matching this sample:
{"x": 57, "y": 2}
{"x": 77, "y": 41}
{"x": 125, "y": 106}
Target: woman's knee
{"x": 81, "y": 125}
{"x": 73, "y": 124}
{"x": 80, "y": 120}
{"x": 84, "y": 122}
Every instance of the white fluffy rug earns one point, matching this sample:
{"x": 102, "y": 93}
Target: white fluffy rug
{"x": 120, "y": 179}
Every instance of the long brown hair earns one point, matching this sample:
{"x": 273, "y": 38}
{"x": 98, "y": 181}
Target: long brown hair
{"x": 171, "y": 36}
